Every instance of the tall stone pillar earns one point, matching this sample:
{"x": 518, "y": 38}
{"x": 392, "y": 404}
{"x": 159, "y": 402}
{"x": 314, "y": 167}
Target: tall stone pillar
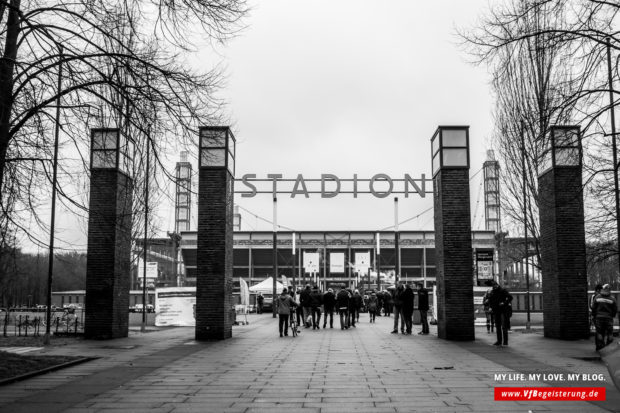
{"x": 108, "y": 269}
{"x": 562, "y": 237}
{"x": 214, "y": 279}
{"x": 453, "y": 249}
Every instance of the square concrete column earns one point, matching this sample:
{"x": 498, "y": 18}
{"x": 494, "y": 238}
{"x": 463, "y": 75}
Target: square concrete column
{"x": 455, "y": 292}
{"x": 214, "y": 279}
{"x": 562, "y": 236}
{"x": 108, "y": 267}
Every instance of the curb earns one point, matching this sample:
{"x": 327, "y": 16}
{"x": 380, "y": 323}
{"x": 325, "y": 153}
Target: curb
{"x": 46, "y": 370}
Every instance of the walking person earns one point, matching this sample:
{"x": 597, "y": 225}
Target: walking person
{"x": 499, "y": 301}
{"x": 487, "y": 310}
{"x": 358, "y": 302}
{"x": 423, "y": 307}
{"x": 351, "y": 312}
{"x": 316, "y": 301}
{"x": 373, "y": 305}
{"x": 259, "y": 301}
{"x": 342, "y": 302}
{"x": 329, "y": 303}
{"x": 407, "y": 308}
{"x": 597, "y": 291}
{"x": 398, "y": 309}
{"x": 284, "y": 305}
{"x": 304, "y": 300}
{"x": 604, "y": 309}
{"x": 388, "y": 303}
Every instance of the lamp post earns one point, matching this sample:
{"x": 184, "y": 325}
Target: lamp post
{"x": 50, "y": 270}
{"x": 453, "y": 243}
{"x": 214, "y": 299}
{"x": 614, "y": 145}
{"x": 527, "y": 271}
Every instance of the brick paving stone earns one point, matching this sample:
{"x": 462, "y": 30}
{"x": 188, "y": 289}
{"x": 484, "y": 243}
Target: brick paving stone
{"x": 366, "y": 369}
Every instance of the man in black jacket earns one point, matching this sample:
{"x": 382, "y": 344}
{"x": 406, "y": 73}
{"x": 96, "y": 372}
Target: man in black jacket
{"x": 329, "y": 302}
{"x": 423, "y": 307}
{"x": 316, "y": 301}
{"x": 604, "y": 309}
{"x": 407, "y": 299}
{"x": 499, "y": 301}
{"x": 342, "y": 301}
{"x": 398, "y": 309}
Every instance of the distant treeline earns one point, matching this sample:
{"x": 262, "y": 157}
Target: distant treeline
{"x": 23, "y": 276}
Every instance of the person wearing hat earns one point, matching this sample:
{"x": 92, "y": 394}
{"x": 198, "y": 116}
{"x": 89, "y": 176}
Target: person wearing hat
{"x": 284, "y": 305}
{"x": 329, "y": 302}
{"x": 604, "y": 310}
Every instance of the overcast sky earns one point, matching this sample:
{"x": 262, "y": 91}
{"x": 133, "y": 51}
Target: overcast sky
{"x": 351, "y": 86}
{"x": 345, "y": 87}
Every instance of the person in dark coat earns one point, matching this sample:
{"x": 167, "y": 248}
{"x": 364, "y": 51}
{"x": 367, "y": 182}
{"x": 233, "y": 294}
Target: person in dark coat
{"x": 423, "y": 307}
{"x": 358, "y": 303}
{"x": 407, "y": 298}
{"x": 259, "y": 301}
{"x": 387, "y": 303}
{"x": 499, "y": 301}
{"x": 304, "y": 301}
{"x": 398, "y": 309}
{"x": 604, "y": 309}
{"x": 342, "y": 302}
{"x": 351, "y": 310}
{"x": 316, "y": 301}
{"x": 329, "y": 303}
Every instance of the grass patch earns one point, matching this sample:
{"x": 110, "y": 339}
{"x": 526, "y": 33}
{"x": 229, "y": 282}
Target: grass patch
{"x": 32, "y": 341}
{"x": 14, "y": 365}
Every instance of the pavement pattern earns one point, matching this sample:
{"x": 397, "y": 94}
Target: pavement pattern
{"x": 363, "y": 369}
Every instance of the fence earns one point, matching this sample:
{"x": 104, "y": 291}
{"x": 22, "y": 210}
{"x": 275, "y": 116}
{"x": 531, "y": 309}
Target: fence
{"x": 33, "y": 323}
{"x": 536, "y": 300}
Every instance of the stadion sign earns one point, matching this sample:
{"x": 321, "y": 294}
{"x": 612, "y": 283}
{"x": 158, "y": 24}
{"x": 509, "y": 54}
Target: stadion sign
{"x": 329, "y": 185}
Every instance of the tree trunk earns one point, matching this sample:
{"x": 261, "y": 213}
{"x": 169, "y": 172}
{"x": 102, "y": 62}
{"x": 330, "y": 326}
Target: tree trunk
{"x": 7, "y": 67}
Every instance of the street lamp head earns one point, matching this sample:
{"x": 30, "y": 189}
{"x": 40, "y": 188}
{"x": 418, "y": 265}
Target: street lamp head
{"x": 217, "y": 148}
{"x": 450, "y": 148}
{"x": 111, "y": 150}
{"x": 563, "y": 148}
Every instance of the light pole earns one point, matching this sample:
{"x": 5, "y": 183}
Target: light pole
{"x": 614, "y": 146}
{"x": 50, "y": 269}
{"x": 146, "y": 227}
{"x": 525, "y": 246}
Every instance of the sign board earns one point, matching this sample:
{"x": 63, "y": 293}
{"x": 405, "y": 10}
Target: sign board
{"x": 175, "y": 306}
{"x": 311, "y": 262}
{"x": 336, "y": 262}
{"x": 362, "y": 262}
{"x": 484, "y": 266}
{"x": 152, "y": 272}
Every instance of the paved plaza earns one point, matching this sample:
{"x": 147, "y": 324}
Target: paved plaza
{"x": 365, "y": 369}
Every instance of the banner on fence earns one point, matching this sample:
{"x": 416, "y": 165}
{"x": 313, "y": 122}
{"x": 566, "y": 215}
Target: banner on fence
{"x": 175, "y": 306}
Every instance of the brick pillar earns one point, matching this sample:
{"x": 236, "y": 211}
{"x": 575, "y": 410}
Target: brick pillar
{"x": 214, "y": 280}
{"x": 453, "y": 247}
{"x": 108, "y": 257}
{"x": 455, "y": 287}
{"x": 563, "y": 253}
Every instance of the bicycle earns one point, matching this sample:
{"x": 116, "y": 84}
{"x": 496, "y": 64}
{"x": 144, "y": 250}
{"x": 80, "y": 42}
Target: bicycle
{"x": 293, "y": 323}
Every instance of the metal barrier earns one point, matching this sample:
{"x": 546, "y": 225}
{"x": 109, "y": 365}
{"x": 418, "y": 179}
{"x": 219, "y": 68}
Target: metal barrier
{"x": 25, "y": 323}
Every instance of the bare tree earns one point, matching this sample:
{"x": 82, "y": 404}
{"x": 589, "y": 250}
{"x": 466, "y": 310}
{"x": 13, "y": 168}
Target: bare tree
{"x": 548, "y": 63}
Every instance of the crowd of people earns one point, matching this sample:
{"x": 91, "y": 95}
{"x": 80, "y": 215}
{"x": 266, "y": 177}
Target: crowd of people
{"x": 310, "y": 305}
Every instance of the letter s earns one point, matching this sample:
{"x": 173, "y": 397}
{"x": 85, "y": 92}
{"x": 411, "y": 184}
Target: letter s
{"x": 244, "y": 179}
